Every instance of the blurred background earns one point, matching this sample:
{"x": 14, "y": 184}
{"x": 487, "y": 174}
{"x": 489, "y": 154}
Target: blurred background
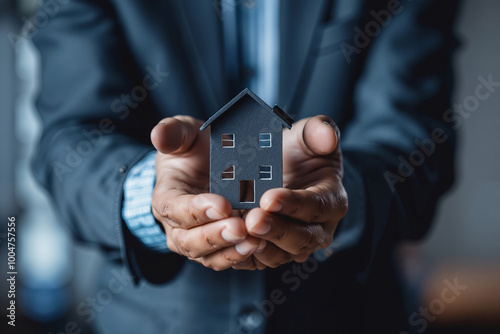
{"x": 462, "y": 250}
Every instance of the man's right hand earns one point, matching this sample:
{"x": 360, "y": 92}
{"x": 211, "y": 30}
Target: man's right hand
{"x": 197, "y": 224}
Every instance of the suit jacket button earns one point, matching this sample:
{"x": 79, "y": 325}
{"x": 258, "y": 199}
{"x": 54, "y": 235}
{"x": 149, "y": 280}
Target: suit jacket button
{"x": 122, "y": 169}
{"x": 250, "y": 319}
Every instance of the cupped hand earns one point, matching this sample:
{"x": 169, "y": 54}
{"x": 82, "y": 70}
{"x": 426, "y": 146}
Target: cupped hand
{"x": 197, "y": 224}
{"x": 301, "y": 217}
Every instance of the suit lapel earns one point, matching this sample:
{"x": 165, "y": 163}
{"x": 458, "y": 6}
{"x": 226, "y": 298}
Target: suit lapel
{"x": 298, "y": 22}
{"x": 201, "y": 22}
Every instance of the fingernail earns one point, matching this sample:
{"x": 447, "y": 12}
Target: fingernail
{"x": 262, "y": 245}
{"x": 274, "y": 206}
{"x": 230, "y": 236}
{"x": 214, "y": 214}
{"x": 245, "y": 247}
{"x": 162, "y": 123}
{"x": 260, "y": 227}
{"x": 335, "y": 129}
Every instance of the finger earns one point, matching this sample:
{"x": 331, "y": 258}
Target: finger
{"x": 175, "y": 135}
{"x": 232, "y": 256}
{"x": 258, "y": 264}
{"x": 292, "y": 237}
{"x": 181, "y": 209}
{"x": 272, "y": 256}
{"x": 251, "y": 262}
{"x": 320, "y": 203}
{"x": 247, "y": 264}
{"x": 301, "y": 258}
{"x": 209, "y": 238}
{"x": 317, "y": 136}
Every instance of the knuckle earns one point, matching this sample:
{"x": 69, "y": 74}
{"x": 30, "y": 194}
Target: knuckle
{"x": 277, "y": 259}
{"x": 166, "y": 209}
{"x": 267, "y": 257}
{"x": 261, "y": 266}
{"x": 194, "y": 219}
{"x": 273, "y": 264}
{"x": 324, "y": 242}
{"x": 343, "y": 204}
{"x": 302, "y": 258}
{"x": 329, "y": 240}
{"x": 295, "y": 203}
{"x": 306, "y": 242}
{"x": 208, "y": 239}
{"x": 195, "y": 253}
{"x": 281, "y": 233}
{"x": 213, "y": 264}
{"x": 190, "y": 211}
{"x": 229, "y": 259}
{"x": 246, "y": 264}
{"x": 209, "y": 265}
{"x": 217, "y": 267}
{"x": 284, "y": 258}
{"x": 321, "y": 206}
{"x": 183, "y": 246}
{"x": 252, "y": 267}
{"x": 321, "y": 237}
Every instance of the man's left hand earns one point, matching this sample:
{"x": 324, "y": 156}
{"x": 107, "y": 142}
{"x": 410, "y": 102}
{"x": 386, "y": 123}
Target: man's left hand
{"x": 301, "y": 217}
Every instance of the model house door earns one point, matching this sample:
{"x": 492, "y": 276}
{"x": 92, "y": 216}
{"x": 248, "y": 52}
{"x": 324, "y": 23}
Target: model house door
{"x": 247, "y": 191}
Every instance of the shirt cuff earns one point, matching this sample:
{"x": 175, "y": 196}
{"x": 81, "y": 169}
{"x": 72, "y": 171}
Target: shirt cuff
{"x": 136, "y": 212}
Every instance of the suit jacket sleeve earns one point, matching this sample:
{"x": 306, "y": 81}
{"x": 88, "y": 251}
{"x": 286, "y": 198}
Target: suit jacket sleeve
{"x": 93, "y": 131}
{"x": 398, "y": 151}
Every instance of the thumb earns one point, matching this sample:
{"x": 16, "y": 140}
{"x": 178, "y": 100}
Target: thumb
{"x": 318, "y": 135}
{"x": 175, "y": 135}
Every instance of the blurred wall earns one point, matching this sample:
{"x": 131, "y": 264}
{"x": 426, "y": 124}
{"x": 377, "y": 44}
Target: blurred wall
{"x": 468, "y": 221}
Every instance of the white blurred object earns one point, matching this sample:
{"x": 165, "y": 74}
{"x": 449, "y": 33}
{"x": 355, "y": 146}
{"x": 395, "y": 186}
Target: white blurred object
{"x": 45, "y": 265}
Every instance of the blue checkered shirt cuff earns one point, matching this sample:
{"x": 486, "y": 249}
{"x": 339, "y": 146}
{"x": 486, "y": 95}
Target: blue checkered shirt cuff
{"x": 136, "y": 212}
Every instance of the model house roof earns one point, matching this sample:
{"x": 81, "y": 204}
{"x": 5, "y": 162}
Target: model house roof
{"x": 276, "y": 111}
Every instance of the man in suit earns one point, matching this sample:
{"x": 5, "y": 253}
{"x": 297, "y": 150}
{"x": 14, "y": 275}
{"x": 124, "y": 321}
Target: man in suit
{"x": 378, "y": 70}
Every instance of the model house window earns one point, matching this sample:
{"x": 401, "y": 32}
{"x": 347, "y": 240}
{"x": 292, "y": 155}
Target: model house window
{"x": 228, "y": 174}
{"x": 228, "y": 140}
{"x": 265, "y": 140}
{"x": 265, "y": 172}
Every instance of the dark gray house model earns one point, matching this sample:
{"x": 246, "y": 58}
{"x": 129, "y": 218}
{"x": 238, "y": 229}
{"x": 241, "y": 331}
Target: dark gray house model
{"x": 246, "y": 153}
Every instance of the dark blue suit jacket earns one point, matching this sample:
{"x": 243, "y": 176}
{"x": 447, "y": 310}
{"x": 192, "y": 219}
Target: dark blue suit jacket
{"x": 104, "y": 86}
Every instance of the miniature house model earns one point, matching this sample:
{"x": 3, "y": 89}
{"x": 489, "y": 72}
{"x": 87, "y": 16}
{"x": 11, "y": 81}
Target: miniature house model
{"x": 246, "y": 149}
